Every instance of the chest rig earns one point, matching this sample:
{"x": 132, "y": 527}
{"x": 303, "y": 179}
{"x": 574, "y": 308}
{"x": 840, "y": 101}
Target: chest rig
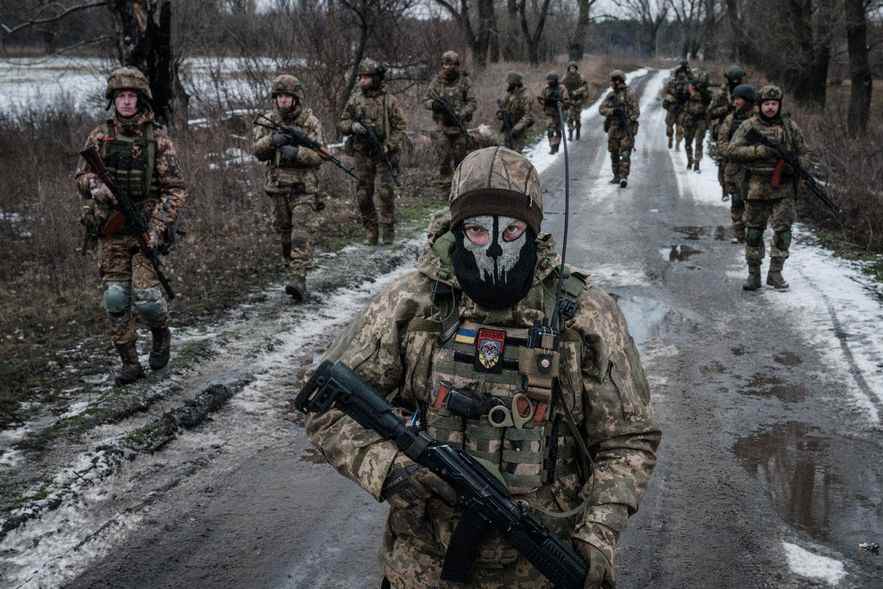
{"x": 131, "y": 163}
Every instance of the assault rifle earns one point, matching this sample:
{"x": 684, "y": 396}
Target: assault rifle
{"x": 133, "y": 220}
{"x": 486, "y": 503}
{"x": 377, "y": 147}
{"x": 445, "y": 106}
{"x": 298, "y": 138}
{"x": 754, "y": 136}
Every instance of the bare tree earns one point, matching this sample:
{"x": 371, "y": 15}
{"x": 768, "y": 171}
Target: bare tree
{"x": 689, "y": 16}
{"x": 650, "y": 14}
{"x": 577, "y": 47}
{"x": 481, "y": 40}
{"x": 533, "y": 38}
{"x": 711, "y": 29}
{"x": 860, "y": 78}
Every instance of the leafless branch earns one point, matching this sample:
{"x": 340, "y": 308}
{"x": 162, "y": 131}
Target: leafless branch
{"x": 42, "y": 21}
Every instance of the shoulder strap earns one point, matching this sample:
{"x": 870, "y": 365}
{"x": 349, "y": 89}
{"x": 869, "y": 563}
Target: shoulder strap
{"x": 151, "y": 158}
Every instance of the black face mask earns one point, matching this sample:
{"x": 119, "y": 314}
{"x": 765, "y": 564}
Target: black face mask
{"x": 496, "y": 282}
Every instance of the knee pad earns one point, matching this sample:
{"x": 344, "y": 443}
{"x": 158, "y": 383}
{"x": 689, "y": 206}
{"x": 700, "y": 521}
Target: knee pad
{"x": 754, "y": 237}
{"x": 150, "y": 304}
{"x": 782, "y": 240}
{"x": 117, "y": 298}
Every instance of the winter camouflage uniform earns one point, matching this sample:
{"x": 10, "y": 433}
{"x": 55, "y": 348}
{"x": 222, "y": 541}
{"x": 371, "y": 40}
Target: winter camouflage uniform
{"x": 674, "y": 102}
{"x": 423, "y": 336}
{"x": 771, "y": 185}
{"x": 291, "y": 176}
{"x": 620, "y": 138}
{"x": 453, "y": 88}
{"x": 578, "y": 94}
{"x": 516, "y": 106}
{"x": 732, "y": 171}
{"x": 693, "y": 121}
{"x": 141, "y": 160}
{"x": 377, "y": 109}
{"x": 549, "y": 99}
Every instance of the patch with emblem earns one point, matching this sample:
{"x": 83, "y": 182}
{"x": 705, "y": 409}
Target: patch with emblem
{"x": 136, "y": 151}
{"x": 490, "y": 344}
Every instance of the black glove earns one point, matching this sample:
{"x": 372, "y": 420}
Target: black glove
{"x": 278, "y": 139}
{"x": 409, "y": 483}
{"x": 288, "y": 153}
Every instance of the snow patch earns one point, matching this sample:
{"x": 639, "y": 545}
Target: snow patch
{"x": 813, "y": 566}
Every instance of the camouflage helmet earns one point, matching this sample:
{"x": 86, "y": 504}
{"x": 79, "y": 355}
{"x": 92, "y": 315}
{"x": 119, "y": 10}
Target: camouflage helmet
{"x": 572, "y": 65}
{"x": 369, "y": 67}
{"x": 770, "y": 92}
{"x": 450, "y": 58}
{"x": 497, "y": 181}
{"x": 287, "y": 84}
{"x": 127, "y": 78}
{"x": 734, "y": 72}
{"x": 513, "y": 78}
{"x": 684, "y": 64}
{"x": 552, "y": 77}
{"x": 745, "y": 92}
{"x": 617, "y": 75}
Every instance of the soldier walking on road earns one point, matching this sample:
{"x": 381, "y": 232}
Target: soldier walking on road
{"x": 452, "y": 102}
{"x": 721, "y": 106}
{"x": 578, "y": 95}
{"x": 621, "y": 111}
{"x": 674, "y": 102}
{"x": 553, "y": 95}
{"x": 580, "y": 448}
{"x": 515, "y": 114}
{"x": 141, "y": 160}
{"x": 291, "y": 177}
{"x": 772, "y": 185}
{"x": 376, "y": 125}
{"x": 693, "y": 120}
{"x": 743, "y": 99}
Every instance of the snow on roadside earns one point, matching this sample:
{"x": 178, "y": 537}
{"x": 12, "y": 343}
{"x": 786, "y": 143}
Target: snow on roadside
{"x": 813, "y": 566}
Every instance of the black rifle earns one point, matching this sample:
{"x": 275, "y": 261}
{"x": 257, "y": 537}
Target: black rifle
{"x": 295, "y": 137}
{"x": 754, "y": 136}
{"x": 134, "y": 221}
{"x": 445, "y": 106}
{"x": 486, "y": 503}
{"x": 377, "y": 147}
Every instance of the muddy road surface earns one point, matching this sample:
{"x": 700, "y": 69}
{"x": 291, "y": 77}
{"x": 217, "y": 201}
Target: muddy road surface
{"x": 770, "y": 403}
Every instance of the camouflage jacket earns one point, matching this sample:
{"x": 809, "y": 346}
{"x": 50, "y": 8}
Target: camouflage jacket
{"x": 392, "y": 346}
{"x": 161, "y": 212}
{"x": 577, "y": 88}
{"x": 378, "y": 109}
{"x": 696, "y": 107}
{"x": 721, "y": 106}
{"x": 517, "y": 104}
{"x": 676, "y": 93}
{"x": 457, "y": 93}
{"x": 284, "y": 175}
{"x": 550, "y": 109}
{"x": 724, "y": 136}
{"x": 760, "y": 161}
{"x": 623, "y": 98}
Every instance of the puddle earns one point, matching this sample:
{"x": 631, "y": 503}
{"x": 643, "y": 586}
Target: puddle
{"x": 697, "y": 232}
{"x": 765, "y": 386}
{"x": 679, "y": 253}
{"x": 827, "y": 486}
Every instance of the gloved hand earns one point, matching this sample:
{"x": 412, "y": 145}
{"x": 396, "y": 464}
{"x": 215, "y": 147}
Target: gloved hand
{"x": 359, "y": 128}
{"x": 601, "y": 573}
{"x": 278, "y": 139}
{"x": 289, "y": 153}
{"x": 763, "y": 152}
{"x": 408, "y": 484}
{"x": 101, "y": 193}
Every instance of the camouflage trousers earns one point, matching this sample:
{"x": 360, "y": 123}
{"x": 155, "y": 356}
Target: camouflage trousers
{"x": 694, "y": 134}
{"x": 673, "y": 125}
{"x": 367, "y": 169}
{"x": 553, "y": 131}
{"x": 780, "y": 214}
{"x": 574, "y": 116}
{"x": 732, "y": 180}
{"x": 296, "y": 239}
{"x": 131, "y": 289}
{"x": 620, "y": 144}
{"x": 451, "y": 146}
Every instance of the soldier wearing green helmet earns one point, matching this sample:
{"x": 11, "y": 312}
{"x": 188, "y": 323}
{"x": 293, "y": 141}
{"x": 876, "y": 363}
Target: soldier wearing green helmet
{"x": 744, "y": 99}
{"x": 554, "y": 95}
{"x": 578, "y": 93}
{"x": 771, "y": 185}
{"x": 620, "y": 110}
{"x": 140, "y": 158}
{"x": 721, "y": 106}
{"x": 515, "y": 113}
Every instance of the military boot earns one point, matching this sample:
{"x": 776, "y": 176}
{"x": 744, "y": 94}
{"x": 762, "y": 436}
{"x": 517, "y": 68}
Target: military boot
{"x": 570, "y": 134}
{"x": 371, "y": 235}
{"x": 774, "y": 275}
{"x": 753, "y": 280}
{"x": 696, "y": 166}
{"x": 670, "y": 141}
{"x": 388, "y": 233}
{"x": 689, "y": 163}
{"x": 296, "y": 288}
{"x": 162, "y": 345}
{"x": 577, "y": 131}
{"x": 623, "y": 182}
{"x": 131, "y": 369}
{"x": 614, "y": 180}
{"x": 738, "y": 234}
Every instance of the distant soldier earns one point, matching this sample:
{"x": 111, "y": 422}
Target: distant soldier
{"x": 743, "y": 98}
{"x": 578, "y": 94}
{"x": 376, "y": 125}
{"x": 452, "y": 102}
{"x": 771, "y": 185}
{"x": 721, "y": 106}
{"x": 140, "y": 159}
{"x": 674, "y": 102}
{"x": 291, "y": 176}
{"x": 621, "y": 111}
{"x": 516, "y": 113}
{"x": 553, "y": 94}
{"x": 693, "y": 120}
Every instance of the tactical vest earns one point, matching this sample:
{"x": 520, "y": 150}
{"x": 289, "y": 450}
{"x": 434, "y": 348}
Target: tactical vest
{"x": 131, "y": 164}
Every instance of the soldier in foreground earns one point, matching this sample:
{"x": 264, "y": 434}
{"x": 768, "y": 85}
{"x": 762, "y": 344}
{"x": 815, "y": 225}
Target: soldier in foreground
{"x": 553, "y": 95}
{"x": 621, "y": 111}
{"x": 515, "y": 114}
{"x": 674, "y": 102}
{"x": 452, "y": 102}
{"x": 376, "y": 125}
{"x": 456, "y": 328}
{"x": 744, "y": 98}
{"x": 291, "y": 177}
{"x": 772, "y": 186}
{"x": 140, "y": 159}
{"x": 578, "y": 95}
{"x": 693, "y": 121}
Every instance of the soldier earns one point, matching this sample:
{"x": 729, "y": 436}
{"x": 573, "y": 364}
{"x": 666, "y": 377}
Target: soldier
{"x": 452, "y": 102}
{"x": 291, "y": 176}
{"x": 771, "y": 185}
{"x": 693, "y": 121}
{"x": 620, "y": 110}
{"x": 140, "y": 159}
{"x": 461, "y": 322}
{"x": 376, "y": 124}
{"x": 553, "y": 94}
{"x": 516, "y": 113}
{"x": 578, "y": 94}
{"x": 743, "y": 99}
{"x": 721, "y": 106}
{"x": 676, "y": 96}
